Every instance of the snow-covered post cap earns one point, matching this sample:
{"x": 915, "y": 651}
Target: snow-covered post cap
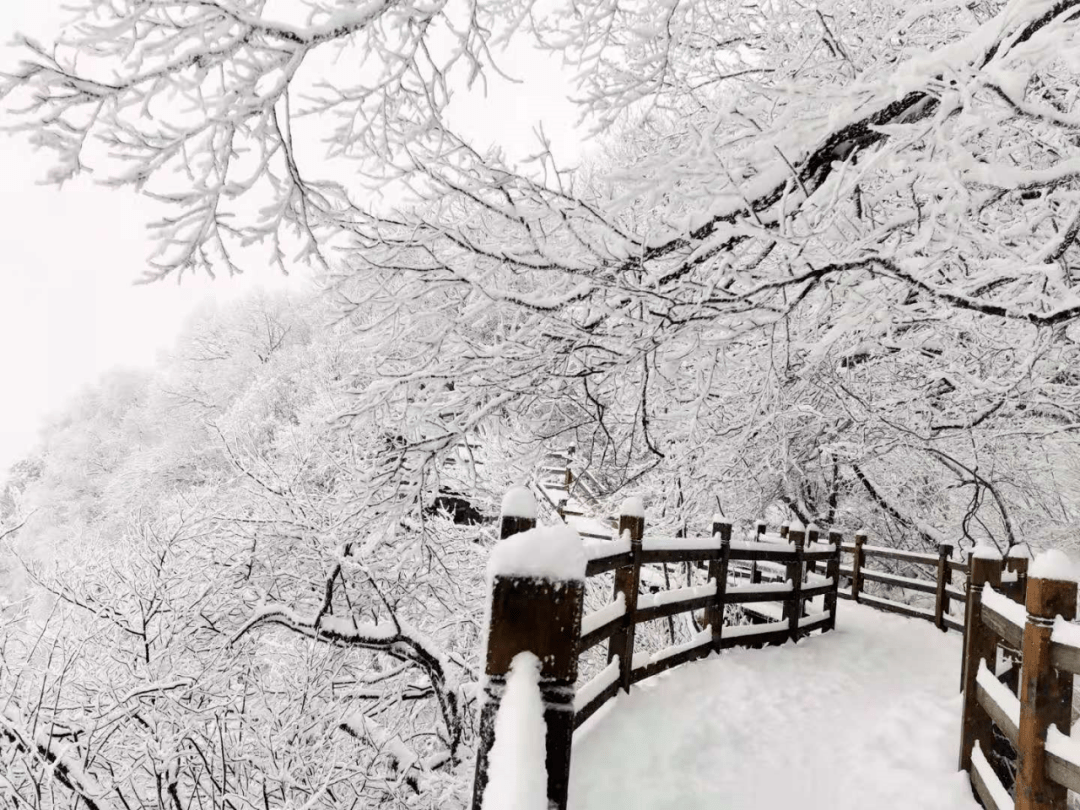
{"x": 1054, "y": 564}
{"x": 632, "y": 519}
{"x": 760, "y": 528}
{"x": 812, "y": 532}
{"x": 721, "y": 526}
{"x": 985, "y": 551}
{"x": 553, "y": 553}
{"x": 796, "y": 532}
{"x": 518, "y": 513}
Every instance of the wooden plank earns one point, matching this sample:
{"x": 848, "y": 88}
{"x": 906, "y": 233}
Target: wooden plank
{"x": 1065, "y": 657}
{"x": 1012, "y": 634}
{"x": 997, "y": 714}
{"x": 923, "y": 586}
{"x": 655, "y": 612}
{"x": 657, "y": 556}
{"x": 814, "y": 556}
{"x": 817, "y": 624}
{"x": 895, "y": 607}
{"x": 897, "y": 554}
{"x": 844, "y": 595}
{"x": 793, "y": 607}
{"x": 941, "y": 582}
{"x": 955, "y": 565}
{"x": 980, "y": 643}
{"x": 763, "y": 554}
{"x": 1045, "y": 693}
{"x": 756, "y": 639}
{"x": 956, "y": 593}
{"x": 1062, "y": 771}
{"x": 605, "y": 564}
{"x": 985, "y": 795}
{"x": 952, "y": 624}
{"x": 682, "y": 657}
{"x": 627, "y": 583}
{"x": 817, "y": 590}
{"x": 594, "y": 536}
{"x": 735, "y": 598}
{"x": 773, "y": 611}
{"x": 601, "y": 633}
{"x": 594, "y": 705}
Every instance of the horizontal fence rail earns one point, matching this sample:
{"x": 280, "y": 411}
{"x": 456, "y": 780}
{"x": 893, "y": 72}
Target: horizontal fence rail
{"x": 937, "y": 583}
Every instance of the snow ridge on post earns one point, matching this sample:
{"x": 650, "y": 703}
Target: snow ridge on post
{"x": 517, "y": 773}
{"x": 536, "y": 582}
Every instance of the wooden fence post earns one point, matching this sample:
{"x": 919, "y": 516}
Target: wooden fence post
{"x": 784, "y": 527}
{"x": 812, "y": 535}
{"x": 627, "y": 581}
{"x": 793, "y": 607}
{"x": 980, "y": 643}
{"x": 543, "y": 617}
{"x": 518, "y": 512}
{"x": 1017, "y": 567}
{"x": 857, "y": 565}
{"x": 755, "y": 572}
{"x": 832, "y": 570}
{"x": 1045, "y": 695}
{"x": 944, "y": 577}
{"x": 718, "y": 572}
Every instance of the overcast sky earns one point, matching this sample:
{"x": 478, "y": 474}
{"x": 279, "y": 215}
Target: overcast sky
{"x": 68, "y": 308}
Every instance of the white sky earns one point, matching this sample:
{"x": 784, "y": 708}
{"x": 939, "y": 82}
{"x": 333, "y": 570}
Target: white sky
{"x": 68, "y": 308}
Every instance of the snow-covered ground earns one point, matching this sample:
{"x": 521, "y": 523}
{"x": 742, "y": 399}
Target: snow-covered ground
{"x": 865, "y": 717}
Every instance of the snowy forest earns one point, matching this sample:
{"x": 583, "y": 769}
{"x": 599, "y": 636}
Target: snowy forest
{"x": 819, "y": 262}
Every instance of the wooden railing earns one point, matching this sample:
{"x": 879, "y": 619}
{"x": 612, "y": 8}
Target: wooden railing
{"x": 1032, "y": 709}
{"x": 545, "y": 617}
{"x": 938, "y": 584}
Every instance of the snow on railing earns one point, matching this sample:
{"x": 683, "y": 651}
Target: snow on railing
{"x": 609, "y": 613}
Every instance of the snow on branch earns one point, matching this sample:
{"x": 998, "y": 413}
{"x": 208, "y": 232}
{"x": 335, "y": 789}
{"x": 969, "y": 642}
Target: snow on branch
{"x": 61, "y": 759}
{"x": 396, "y": 639}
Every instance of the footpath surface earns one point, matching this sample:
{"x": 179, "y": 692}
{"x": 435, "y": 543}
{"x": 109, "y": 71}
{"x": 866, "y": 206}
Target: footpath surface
{"x": 866, "y": 717}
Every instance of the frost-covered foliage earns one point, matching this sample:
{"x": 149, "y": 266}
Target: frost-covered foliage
{"x": 215, "y": 578}
{"x": 821, "y": 266}
{"x": 824, "y": 258}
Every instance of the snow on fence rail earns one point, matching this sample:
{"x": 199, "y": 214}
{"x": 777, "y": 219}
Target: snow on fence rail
{"x": 1031, "y": 708}
{"x": 540, "y": 611}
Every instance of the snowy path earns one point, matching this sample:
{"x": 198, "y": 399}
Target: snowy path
{"x": 865, "y": 717}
